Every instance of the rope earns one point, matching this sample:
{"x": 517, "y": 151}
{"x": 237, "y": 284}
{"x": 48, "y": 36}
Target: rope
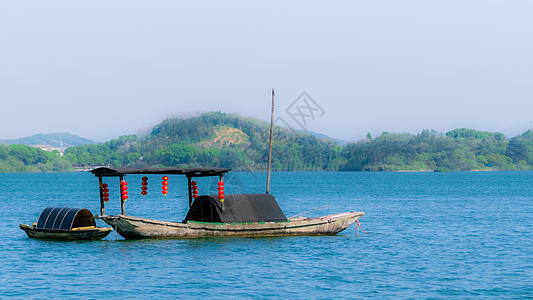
{"x": 309, "y": 211}
{"x": 357, "y": 224}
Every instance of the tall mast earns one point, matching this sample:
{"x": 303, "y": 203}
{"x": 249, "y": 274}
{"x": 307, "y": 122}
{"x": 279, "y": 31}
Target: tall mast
{"x": 270, "y": 144}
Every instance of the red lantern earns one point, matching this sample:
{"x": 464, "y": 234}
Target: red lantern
{"x": 221, "y": 190}
{"x": 144, "y": 187}
{"x": 194, "y": 189}
{"x": 165, "y": 185}
{"x": 124, "y": 190}
{"x": 105, "y": 192}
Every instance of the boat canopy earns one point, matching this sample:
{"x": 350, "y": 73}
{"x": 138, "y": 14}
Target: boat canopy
{"x": 65, "y": 218}
{"x": 101, "y": 172}
{"x": 237, "y": 208}
{"x": 189, "y": 172}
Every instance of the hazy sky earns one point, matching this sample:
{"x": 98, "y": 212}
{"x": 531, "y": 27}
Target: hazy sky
{"x": 100, "y": 69}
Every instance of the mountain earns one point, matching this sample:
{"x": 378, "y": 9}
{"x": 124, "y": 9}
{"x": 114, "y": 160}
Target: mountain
{"x": 213, "y": 139}
{"x": 241, "y": 143}
{"x": 327, "y": 138}
{"x": 53, "y": 139}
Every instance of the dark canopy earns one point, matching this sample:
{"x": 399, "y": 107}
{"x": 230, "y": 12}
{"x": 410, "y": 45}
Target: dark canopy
{"x": 65, "y": 218}
{"x": 190, "y": 172}
{"x": 237, "y": 208}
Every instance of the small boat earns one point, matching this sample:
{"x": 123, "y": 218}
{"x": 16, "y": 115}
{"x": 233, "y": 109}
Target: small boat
{"x": 65, "y": 223}
{"x": 243, "y": 215}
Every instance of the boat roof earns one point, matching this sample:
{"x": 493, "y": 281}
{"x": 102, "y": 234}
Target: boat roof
{"x": 237, "y": 208}
{"x": 189, "y": 172}
{"x": 64, "y": 218}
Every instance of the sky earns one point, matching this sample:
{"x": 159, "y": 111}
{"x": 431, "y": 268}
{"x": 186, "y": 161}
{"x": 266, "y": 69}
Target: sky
{"x": 101, "y": 69}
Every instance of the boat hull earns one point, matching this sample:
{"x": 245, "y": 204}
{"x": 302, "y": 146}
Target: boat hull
{"x": 95, "y": 233}
{"x": 138, "y": 228}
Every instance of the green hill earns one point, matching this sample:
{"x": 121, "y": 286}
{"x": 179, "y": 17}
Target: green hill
{"x": 241, "y": 143}
{"x": 52, "y": 139}
{"x": 212, "y": 139}
{"x": 458, "y": 150}
{"x": 23, "y": 158}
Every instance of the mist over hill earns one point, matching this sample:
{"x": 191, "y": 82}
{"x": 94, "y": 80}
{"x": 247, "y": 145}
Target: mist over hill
{"x": 52, "y": 139}
{"x": 212, "y": 139}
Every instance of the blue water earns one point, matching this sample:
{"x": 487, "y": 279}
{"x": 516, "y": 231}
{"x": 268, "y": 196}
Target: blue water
{"x": 428, "y": 235}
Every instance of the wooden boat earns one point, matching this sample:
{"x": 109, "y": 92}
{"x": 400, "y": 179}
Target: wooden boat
{"x": 64, "y": 223}
{"x": 244, "y": 215}
{"x": 135, "y": 228}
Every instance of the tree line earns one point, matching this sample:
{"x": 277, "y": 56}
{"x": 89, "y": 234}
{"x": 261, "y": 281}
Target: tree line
{"x": 186, "y": 143}
{"x": 23, "y": 158}
{"x": 457, "y": 150}
{"x": 240, "y": 143}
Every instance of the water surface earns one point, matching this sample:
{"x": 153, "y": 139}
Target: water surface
{"x": 429, "y": 235}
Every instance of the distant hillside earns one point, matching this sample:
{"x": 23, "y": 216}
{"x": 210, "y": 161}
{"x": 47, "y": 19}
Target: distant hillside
{"x": 461, "y": 149}
{"x": 327, "y": 138}
{"x": 241, "y": 143}
{"x": 52, "y": 139}
{"x": 212, "y": 139}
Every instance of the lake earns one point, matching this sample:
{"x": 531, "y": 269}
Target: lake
{"x": 428, "y": 235}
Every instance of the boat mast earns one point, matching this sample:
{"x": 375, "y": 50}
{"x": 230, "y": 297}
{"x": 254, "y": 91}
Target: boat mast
{"x": 270, "y": 144}
{"x": 102, "y": 206}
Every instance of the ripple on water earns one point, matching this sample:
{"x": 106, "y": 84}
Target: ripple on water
{"x": 428, "y": 236}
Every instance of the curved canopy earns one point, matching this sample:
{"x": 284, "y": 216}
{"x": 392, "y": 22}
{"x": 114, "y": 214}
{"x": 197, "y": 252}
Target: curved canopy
{"x": 65, "y": 218}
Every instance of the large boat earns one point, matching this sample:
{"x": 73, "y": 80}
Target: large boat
{"x": 243, "y": 215}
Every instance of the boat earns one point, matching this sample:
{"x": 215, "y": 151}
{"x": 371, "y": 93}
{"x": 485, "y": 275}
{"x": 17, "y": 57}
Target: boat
{"x": 237, "y": 215}
{"x": 65, "y": 223}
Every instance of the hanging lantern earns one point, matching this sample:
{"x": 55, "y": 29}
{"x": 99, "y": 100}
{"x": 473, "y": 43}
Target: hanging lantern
{"x": 194, "y": 189}
{"x": 124, "y": 190}
{"x": 105, "y": 192}
{"x": 165, "y": 185}
{"x": 221, "y": 191}
{"x": 144, "y": 187}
